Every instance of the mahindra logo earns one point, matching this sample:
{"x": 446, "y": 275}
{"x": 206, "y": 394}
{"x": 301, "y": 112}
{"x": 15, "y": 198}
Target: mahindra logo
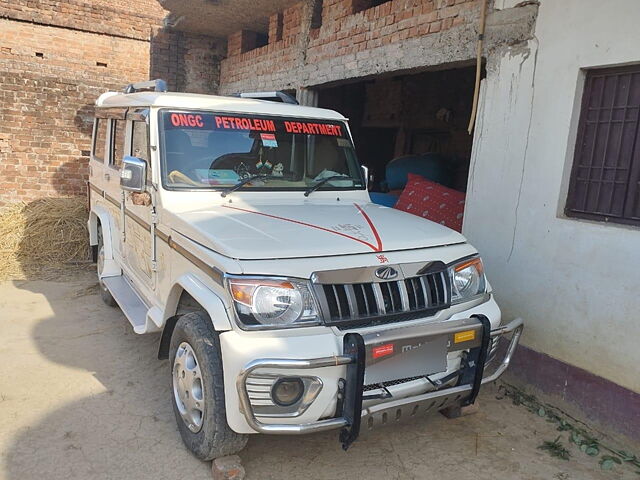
{"x": 386, "y": 273}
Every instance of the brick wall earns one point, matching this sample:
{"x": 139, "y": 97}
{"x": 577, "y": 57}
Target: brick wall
{"x": 188, "y": 62}
{"x": 47, "y": 103}
{"x": 112, "y": 17}
{"x": 56, "y": 58}
{"x": 396, "y": 35}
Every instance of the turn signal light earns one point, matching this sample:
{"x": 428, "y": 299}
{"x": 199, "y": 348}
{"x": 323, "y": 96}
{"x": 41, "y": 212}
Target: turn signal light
{"x": 465, "y": 336}
{"x": 243, "y": 289}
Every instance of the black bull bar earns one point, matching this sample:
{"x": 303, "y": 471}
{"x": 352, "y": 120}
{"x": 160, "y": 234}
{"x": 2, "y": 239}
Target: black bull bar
{"x": 350, "y": 413}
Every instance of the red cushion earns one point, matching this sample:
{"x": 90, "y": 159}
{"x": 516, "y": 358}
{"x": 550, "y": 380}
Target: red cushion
{"x": 432, "y": 201}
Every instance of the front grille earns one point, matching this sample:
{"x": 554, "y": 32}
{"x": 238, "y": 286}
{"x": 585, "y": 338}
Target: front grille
{"x": 357, "y": 305}
{"x": 391, "y": 383}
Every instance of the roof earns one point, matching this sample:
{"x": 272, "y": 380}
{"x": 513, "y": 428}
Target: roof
{"x": 194, "y": 101}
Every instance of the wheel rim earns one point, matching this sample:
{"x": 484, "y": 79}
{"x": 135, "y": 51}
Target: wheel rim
{"x": 188, "y": 387}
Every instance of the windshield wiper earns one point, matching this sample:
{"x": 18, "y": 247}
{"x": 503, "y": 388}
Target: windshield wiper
{"x": 315, "y": 187}
{"x": 244, "y": 181}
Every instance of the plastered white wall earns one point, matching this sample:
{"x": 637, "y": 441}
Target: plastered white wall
{"x": 576, "y": 283}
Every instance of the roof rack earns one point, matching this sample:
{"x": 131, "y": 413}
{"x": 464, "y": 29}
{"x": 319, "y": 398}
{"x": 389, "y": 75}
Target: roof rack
{"x": 276, "y": 96}
{"x": 157, "y": 85}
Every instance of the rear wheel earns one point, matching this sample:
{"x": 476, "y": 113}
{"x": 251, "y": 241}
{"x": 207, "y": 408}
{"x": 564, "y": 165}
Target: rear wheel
{"x": 104, "y": 291}
{"x": 197, "y": 388}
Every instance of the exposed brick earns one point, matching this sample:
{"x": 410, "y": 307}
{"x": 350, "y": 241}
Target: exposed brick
{"x": 56, "y": 58}
{"x": 349, "y": 27}
{"x": 112, "y": 17}
{"x": 227, "y": 468}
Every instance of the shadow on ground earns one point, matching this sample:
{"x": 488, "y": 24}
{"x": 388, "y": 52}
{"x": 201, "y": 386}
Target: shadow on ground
{"x": 83, "y": 397}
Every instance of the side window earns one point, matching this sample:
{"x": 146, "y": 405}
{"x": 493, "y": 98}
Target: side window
{"x": 140, "y": 144}
{"x": 100, "y": 138}
{"x": 117, "y": 142}
{"x": 605, "y": 179}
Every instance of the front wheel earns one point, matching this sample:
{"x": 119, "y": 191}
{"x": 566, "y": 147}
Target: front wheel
{"x": 197, "y": 389}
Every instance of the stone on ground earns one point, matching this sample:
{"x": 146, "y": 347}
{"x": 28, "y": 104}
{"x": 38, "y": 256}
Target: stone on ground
{"x": 227, "y": 468}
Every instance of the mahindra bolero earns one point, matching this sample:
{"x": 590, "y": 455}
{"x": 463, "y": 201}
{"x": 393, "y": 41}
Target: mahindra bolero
{"x": 241, "y": 231}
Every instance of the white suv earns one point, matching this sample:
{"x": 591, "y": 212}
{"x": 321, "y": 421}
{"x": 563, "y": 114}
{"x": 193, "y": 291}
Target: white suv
{"x": 287, "y": 302}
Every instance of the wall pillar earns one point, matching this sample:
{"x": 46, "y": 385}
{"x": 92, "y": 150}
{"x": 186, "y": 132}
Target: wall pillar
{"x": 188, "y": 62}
{"x": 307, "y": 97}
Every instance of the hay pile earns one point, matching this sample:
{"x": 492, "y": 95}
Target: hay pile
{"x": 43, "y": 238}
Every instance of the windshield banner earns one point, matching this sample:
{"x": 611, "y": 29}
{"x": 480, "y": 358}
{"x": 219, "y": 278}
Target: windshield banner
{"x": 210, "y": 121}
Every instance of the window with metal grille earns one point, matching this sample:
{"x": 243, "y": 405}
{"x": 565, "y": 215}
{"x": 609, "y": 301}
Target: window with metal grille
{"x": 605, "y": 178}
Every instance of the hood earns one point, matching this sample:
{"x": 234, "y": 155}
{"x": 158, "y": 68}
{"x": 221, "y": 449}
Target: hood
{"x": 258, "y": 232}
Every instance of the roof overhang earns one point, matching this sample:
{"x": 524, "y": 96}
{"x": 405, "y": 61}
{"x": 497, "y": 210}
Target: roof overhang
{"x": 219, "y": 18}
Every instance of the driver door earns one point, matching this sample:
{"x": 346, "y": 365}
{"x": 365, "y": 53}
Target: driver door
{"x": 139, "y": 210}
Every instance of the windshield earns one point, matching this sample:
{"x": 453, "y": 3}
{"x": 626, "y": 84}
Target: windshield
{"x": 205, "y": 150}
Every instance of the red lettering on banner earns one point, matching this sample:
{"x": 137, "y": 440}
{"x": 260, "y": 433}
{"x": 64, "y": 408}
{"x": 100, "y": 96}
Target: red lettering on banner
{"x": 313, "y": 128}
{"x": 238, "y": 123}
{"x": 186, "y": 120}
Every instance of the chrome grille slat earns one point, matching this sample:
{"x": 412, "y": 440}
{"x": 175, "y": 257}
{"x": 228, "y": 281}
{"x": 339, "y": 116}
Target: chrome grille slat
{"x": 384, "y": 301}
{"x": 404, "y": 296}
{"x": 335, "y": 293}
{"x": 366, "y": 300}
{"x": 351, "y": 299}
{"x": 260, "y": 395}
{"x": 445, "y": 291}
{"x": 377, "y": 292}
{"x": 425, "y": 290}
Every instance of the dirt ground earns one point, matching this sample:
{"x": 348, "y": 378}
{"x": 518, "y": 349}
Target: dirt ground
{"x": 82, "y": 396}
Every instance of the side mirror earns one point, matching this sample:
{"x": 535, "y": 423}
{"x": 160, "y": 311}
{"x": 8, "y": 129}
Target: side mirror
{"x": 365, "y": 170}
{"x": 133, "y": 174}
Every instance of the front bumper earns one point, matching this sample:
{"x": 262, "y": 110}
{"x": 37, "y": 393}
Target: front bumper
{"x": 350, "y": 412}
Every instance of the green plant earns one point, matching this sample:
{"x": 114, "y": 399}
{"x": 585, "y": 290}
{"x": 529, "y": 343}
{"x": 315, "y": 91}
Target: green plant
{"x": 578, "y": 435}
{"x": 555, "y": 448}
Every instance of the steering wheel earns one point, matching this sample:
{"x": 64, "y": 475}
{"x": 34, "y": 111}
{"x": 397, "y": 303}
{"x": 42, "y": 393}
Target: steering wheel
{"x": 230, "y": 161}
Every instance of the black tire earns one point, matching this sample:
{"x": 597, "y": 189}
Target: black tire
{"x": 105, "y": 294}
{"x": 215, "y": 438}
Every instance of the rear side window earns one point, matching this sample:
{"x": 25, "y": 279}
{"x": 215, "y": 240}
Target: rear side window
{"x": 117, "y": 143}
{"x": 140, "y": 144}
{"x": 140, "y": 141}
{"x": 99, "y": 139}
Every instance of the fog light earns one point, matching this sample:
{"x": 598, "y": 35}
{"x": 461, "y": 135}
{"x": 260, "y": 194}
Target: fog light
{"x": 287, "y": 391}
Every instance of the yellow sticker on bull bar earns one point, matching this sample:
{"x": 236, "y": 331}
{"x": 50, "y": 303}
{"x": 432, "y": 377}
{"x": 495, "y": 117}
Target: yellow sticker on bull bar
{"x": 464, "y": 336}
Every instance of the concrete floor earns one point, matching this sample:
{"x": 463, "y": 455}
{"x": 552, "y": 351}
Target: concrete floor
{"x": 82, "y": 396}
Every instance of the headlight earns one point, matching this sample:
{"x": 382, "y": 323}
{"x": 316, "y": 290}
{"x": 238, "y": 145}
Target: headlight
{"x": 264, "y": 303}
{"x": 467, "y": 280}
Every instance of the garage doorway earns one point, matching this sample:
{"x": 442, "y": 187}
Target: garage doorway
{"x": 417, "y": 120}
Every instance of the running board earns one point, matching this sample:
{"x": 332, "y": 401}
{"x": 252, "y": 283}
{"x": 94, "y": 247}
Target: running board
{"x": 133, "y": 307}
